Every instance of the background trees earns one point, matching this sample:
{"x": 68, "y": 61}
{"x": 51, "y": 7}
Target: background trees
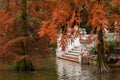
{"x": 19, "y": 25}
{"x": 99, "y": 14}
{"x": 20, "y": 22}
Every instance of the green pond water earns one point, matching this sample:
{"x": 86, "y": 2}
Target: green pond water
{"x": 57, "y": 69}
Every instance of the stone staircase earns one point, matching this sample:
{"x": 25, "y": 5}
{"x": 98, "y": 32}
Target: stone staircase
{"x": 72, "y": 55}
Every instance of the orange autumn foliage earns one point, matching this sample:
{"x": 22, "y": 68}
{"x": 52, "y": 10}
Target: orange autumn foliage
{"x": 98, "y": 17}
{"x": 64, "y": 16}
{"x": 11, "y": 22}
{"x": 53, "y": 17}
{"x": 67, "y": 14}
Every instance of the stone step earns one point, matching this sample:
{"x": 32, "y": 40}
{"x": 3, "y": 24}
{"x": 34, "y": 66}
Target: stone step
{"x": 73, "y": 54}
{"x": 77, "y": 52}
{"x": 73, "y": 59}
{"x": 70, "y": 55}
{"x": 77, "y": 49}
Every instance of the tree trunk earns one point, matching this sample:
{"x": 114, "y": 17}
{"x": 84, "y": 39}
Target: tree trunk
{"x": 24, "y": 18}
{"x": 24, "y": 63}
{"x": 24, "y": 48}
{"x": 24, "y": 27}
{"x": 102, "y": 66}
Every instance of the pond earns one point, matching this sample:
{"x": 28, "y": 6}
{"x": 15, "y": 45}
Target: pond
{"x": 58, "y": 69}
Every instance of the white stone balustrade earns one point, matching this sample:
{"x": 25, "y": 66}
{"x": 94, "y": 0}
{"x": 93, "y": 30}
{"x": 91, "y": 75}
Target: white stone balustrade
{"x": 71, "y": 42}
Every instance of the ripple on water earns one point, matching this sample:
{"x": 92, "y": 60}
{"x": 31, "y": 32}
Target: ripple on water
{"x": 59, "y": 70}
{"x": 67, "y": 70}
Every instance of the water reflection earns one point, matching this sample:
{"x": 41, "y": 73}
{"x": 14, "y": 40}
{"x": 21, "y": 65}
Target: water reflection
{"x": 58, "y": 69}
{"x": 71, "y": 71}
{"x": 46, "y": 71}
{"x": 67, "y": 70}
{"x": 37, "y": 75}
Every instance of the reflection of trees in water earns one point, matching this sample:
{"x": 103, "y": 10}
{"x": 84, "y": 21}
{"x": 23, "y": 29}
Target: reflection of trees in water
{"x": 107, "y": 76}
{"x": 67, "y": 70}
{"x": 71, "y": 71}
{"x": 45, "y": 71}
{"x": 13, "y": 75}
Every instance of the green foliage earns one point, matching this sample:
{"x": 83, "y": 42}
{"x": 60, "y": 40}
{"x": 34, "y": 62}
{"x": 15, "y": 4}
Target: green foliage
{"x": 53, "y": 46}
{"x": 114, "y": 8}
{"x": 110, "y": 45}
{"x": 92, "y": 51}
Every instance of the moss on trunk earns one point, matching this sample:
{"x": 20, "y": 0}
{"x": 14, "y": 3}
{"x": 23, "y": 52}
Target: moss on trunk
{"x": 24, "y": 64}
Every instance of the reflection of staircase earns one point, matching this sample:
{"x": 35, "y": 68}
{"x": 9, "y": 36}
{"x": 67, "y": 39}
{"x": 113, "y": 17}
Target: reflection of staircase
{"x": 72, "y": 55}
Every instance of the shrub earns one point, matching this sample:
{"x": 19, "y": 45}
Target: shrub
{"x": 110, "y": 45}
{"x": 53, "y": 46}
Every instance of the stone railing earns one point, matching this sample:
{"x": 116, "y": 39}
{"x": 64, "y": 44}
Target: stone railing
{"x": 72, "y": 43}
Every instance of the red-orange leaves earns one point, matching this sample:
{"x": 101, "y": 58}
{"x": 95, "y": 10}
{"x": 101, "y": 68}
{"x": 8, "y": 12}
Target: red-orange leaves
{"x": 48, "y": 29}
{"x": 43, "y": 29}
{"x": 63, "y": 42}
{"x": 60, "y": 15}
{"x": 117, "y": 1}
{"x": 70, "y": 22}
{"x": 6, "y": 20}
{"x": 97, "y": 41}
{"x": 97, "y": 16}
{"x": 64, "y": 16}
{"x": 89, "y": 40}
